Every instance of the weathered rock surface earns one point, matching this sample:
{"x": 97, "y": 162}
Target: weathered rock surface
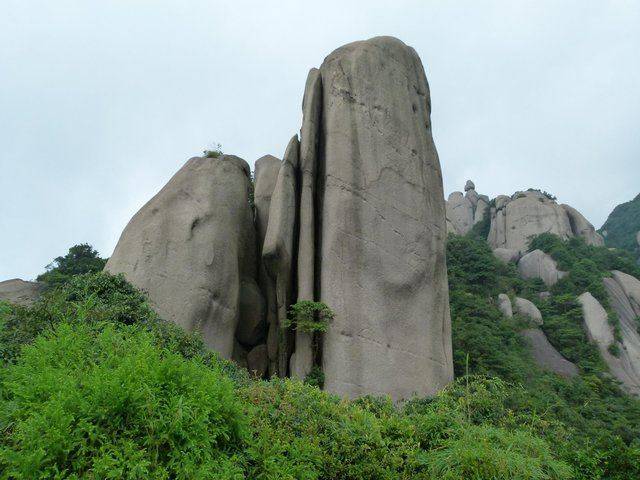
{"x": 625, "y": 367}
{"x": 463, "y": 211}
{"x": 504, "y": 304}
{"x": 20, "y": 291}
{"x": 538, "y": 264}
{"x": 516, "y": 220}
{"x": 507, "y": 255}
{"x": 192, "y": 248}
{"x": 303, "y": 358}
{"x": 267, "y": 169}
{"x": 624, "y": 296}
{"x": 381, "y": 238}
{"x": 279, "y": 254}
{"x": 459, "y": 211}
{"x": 545, "y": 354}
{"x": 528, "y": 309}
{"x": 252, "y": 329}
{"x": 580, "y": 227}
{"x": 258, "y": 360}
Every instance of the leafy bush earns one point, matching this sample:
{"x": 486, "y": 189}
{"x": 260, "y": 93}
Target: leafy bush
{"x": 82, "y": 258}
{"x": 309, "y": 317}
{"x": 99, "y": 402}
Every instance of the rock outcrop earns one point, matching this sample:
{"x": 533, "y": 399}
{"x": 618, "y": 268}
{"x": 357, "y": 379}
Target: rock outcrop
{"x": 465, "y": 210}
{"x": 267, "y": 169}
{"x": 624, "y": 365}
{"x": 354, "y": 217}
{"x": 504, "y": 304}
{"x": 192, "y": 248}
{"x": 20, "y": 291}
{"x": 624, "y": 297}
{"x": 507, "y": 255}
{"x": 527, "y": 309}
{"x": 580, "y": 227}
{"x": 516, "y": 220}
{"x": 459, "y": 211}
{"x": 546, "y": 356}
{"x": 279, "y": 255}
{"x": 538, "y": 264}
{"x": 381, "y": 218}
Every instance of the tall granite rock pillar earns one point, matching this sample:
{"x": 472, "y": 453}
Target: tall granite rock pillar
{"x": 303, "y": 358}
{"x": 380, "y": 218}
{"x": 279, "y": 254}
{"x": 192, "y": 248}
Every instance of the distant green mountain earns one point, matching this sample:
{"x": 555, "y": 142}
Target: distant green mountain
{"x": 622, "y": 227}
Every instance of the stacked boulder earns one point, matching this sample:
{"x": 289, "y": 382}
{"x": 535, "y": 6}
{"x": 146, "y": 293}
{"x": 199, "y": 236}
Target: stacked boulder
{"x": 354, "y": 216}
{"x": 465, "y": 210}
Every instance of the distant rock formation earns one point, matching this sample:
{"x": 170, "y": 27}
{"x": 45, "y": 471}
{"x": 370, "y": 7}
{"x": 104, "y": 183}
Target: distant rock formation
{"x": 354, "y": 216}
{"x": 504, "y": 304}
{"x": 624, "y": 296}
{"x": 544, "y": 354}
{"x": 516, "y": 220}
{"x": 465, "y": 210}
{"x": 538, "y": 264}
{"x": 192, "y": 248}
{"x": 20, "y": 291}
{"x": 624, "y": 366}
{"x": 506, "y": 254}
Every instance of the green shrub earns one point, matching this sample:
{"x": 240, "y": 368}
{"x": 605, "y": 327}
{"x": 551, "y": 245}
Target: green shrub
{"x": 93, "y": 401}
{"x": 214, "y": 152}
{"x": 309, "y": 317}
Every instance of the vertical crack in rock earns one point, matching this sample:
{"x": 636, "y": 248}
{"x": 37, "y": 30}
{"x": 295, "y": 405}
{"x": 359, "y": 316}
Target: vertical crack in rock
{"x": 279, "y": 255}
{"x": 302, "y": 360}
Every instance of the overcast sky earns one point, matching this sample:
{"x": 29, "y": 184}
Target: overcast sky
{"x": 102, "y": 101}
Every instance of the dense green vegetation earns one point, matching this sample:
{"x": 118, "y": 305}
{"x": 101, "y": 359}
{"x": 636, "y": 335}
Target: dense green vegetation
{"x": 591, "y": 424}
{"x": 80, "y": 259}
{"x": 622, "y": 226}
{"x": 95, "y": 385}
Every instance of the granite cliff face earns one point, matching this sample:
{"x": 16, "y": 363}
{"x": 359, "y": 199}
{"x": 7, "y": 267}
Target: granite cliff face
{"x": 354, "y": 216}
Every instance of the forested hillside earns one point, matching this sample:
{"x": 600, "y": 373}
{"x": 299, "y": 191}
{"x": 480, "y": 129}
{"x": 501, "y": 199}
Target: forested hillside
{"x": 622, "y": 228}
